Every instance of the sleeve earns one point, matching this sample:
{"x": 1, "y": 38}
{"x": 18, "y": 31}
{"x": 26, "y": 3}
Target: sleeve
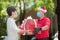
{"x": 47, "y": 22}
{"x": 14, "y": 27}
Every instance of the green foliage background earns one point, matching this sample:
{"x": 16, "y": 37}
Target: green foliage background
{"x": 37, "y": 3}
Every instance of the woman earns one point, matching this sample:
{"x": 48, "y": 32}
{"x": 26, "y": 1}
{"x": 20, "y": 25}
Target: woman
{"x": 12, "y": 29}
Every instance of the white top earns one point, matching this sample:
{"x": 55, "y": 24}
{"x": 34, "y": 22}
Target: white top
{"x": 12, "y": 30}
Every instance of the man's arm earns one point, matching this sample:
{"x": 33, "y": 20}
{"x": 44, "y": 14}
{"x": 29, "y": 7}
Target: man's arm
{"x": 47, "y": 25}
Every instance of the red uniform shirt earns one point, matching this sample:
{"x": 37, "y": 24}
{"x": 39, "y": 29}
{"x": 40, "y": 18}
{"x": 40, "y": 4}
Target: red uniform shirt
{"x": 41, "y": 23}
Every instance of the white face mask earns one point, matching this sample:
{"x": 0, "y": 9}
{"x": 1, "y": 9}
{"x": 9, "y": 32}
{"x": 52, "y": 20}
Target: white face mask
{"x": 15, "y": 14}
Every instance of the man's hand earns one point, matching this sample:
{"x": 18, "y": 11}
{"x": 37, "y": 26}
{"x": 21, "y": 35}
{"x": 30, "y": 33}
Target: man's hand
{"x": 24, "y": 30}
{"x": 29, "y": 32}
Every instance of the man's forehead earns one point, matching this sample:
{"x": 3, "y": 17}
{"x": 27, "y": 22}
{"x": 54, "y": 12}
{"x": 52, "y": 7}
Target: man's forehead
{"x": 40, "y": 11}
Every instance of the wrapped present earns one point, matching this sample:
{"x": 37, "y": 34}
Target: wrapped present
{"x": 28, "y": 24}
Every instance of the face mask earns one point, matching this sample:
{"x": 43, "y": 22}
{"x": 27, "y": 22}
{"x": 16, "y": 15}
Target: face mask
{"x": 39, "y": 14}
{"x": 15, "y": 15}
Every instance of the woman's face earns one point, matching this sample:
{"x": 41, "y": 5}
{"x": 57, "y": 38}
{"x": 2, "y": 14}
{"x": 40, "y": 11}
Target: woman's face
{"x": 14, "y": 14}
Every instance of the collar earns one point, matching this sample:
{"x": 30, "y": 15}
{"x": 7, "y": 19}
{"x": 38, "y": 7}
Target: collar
{"x": 42, "y": 18}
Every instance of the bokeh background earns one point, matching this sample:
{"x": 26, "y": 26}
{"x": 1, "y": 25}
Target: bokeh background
{"x": 28, "y": 8}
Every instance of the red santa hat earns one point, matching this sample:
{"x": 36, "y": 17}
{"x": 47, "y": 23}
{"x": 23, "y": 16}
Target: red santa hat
{"x": 43, "y": 8}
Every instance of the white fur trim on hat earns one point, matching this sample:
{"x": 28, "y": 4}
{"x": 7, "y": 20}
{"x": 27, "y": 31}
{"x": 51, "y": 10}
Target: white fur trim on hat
{"x": 42, "y": 10}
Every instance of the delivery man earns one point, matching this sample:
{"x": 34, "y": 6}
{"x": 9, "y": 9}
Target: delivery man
{"x": 44, "y": 23}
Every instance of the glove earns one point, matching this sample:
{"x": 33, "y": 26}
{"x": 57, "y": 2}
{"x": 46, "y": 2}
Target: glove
{"x": 36, "y": 30}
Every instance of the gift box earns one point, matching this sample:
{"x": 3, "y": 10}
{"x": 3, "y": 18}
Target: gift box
{"x": 28, "y": 25}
